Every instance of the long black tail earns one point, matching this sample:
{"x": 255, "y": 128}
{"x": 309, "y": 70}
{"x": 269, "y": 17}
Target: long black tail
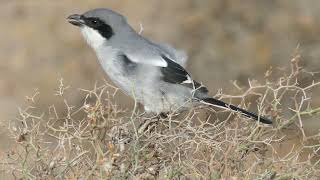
{"x": 216, "y": 102}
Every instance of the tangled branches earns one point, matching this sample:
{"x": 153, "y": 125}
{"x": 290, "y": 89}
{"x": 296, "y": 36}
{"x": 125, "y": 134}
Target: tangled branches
{"x": 98, "y": 140}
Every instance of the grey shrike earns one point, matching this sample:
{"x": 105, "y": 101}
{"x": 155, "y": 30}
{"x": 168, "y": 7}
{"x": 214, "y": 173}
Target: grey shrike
{"x": 152, "y": 73}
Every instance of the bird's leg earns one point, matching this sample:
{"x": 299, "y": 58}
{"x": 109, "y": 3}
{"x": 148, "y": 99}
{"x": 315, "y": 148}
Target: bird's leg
{"x": 163, "y": 115}
{"x": 149, "y": 123}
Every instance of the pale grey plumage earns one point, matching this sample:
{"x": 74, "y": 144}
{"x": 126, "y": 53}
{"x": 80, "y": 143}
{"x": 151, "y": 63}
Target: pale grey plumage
{"x": 143, "y": 81}
{"x": 152, "y": 73}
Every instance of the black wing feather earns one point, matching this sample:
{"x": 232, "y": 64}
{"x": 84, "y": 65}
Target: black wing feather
{"x": 174, "y": 73}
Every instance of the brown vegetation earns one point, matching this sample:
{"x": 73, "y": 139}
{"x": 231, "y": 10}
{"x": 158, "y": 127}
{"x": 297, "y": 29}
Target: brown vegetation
{"x": 99, "y": 140}
{"x": 71, "y": 135}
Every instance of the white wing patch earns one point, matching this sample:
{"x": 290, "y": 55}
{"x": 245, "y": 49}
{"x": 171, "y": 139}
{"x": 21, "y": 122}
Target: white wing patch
{"x": 188, "y": 81}
{"x": 154, "y": 60}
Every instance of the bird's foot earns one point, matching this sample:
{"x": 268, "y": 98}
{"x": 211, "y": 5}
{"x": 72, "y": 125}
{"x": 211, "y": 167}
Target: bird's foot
{"x": 149, "y": 123}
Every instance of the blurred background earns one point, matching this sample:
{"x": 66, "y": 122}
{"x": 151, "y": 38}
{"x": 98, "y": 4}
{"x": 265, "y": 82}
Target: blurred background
{"x": 226, "y": 40}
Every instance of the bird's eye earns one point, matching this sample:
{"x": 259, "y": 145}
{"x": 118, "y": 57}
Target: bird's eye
{"x": 94, "y": 22}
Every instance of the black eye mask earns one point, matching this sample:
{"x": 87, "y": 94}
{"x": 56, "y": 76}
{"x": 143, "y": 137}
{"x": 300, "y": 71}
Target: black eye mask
{"x": 104, "y": 29}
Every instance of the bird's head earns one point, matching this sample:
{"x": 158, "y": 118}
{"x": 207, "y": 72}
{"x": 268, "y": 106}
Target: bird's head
{"x": 99, "y": 25}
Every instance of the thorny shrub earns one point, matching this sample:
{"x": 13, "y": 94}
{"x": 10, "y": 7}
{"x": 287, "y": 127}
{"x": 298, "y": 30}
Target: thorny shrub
{"x": 99, "y": 140}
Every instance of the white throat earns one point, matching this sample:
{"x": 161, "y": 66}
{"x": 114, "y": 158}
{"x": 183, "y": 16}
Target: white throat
{"x": 93, "y": 37}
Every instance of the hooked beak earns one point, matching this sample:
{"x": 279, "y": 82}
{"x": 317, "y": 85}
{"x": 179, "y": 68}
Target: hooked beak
{"x": 76, "y": 20}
